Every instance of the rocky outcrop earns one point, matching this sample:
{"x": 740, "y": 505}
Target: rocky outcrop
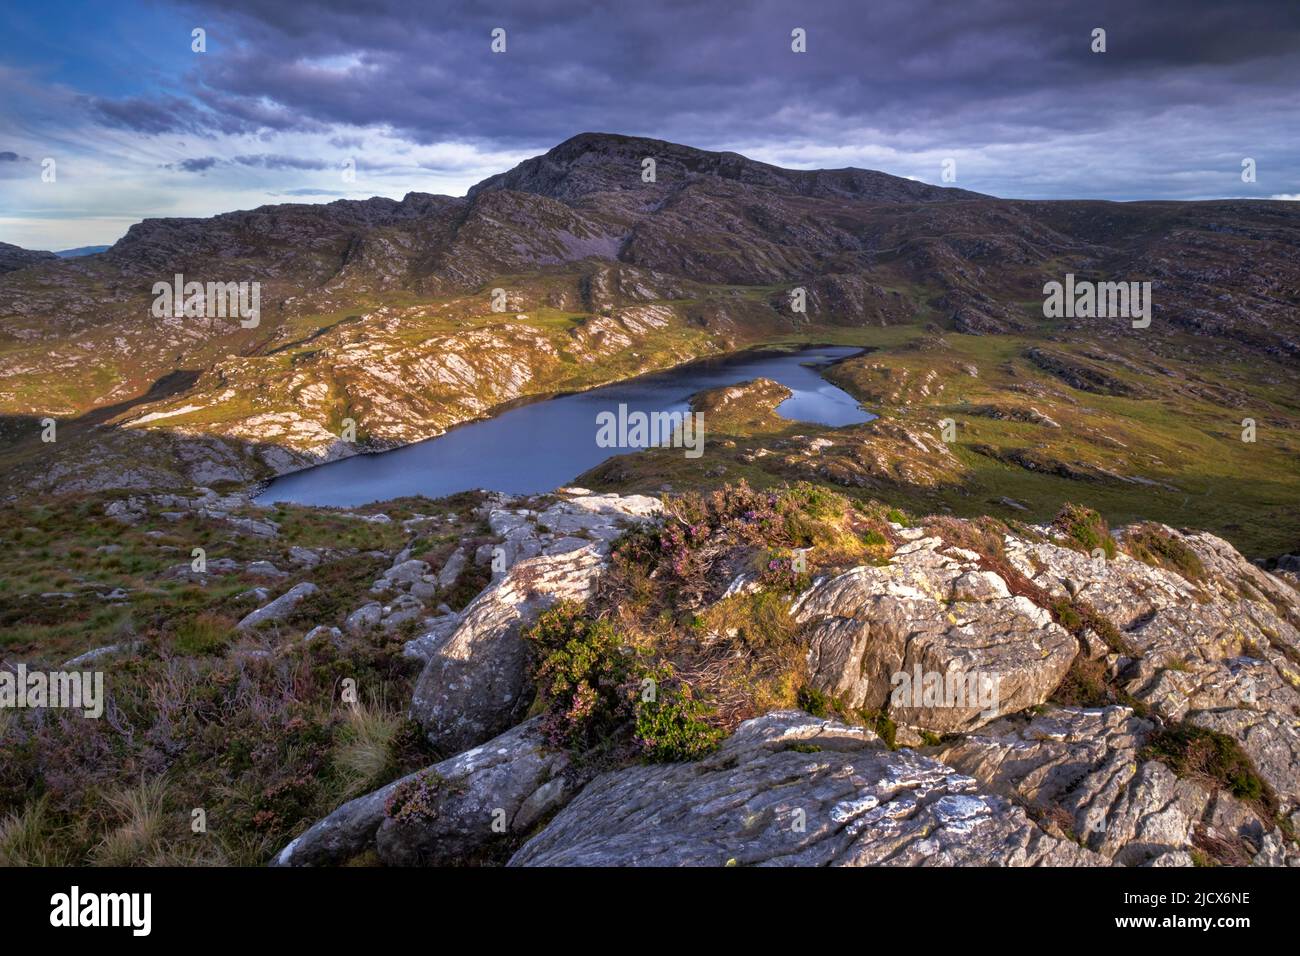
{"x": 932, "y": 639}
{"x": 447, "y": 813}
{"x": 1221, "y": 651}
{"x": 937, "y": 641}
{"x": 792, "y": 790}
{"x": 1082, "y": 772}
{"x": 475, "y": 681}
{"x": 13, "y": 258}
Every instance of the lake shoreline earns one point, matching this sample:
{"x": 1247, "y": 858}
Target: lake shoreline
{"x": 705, "y": 368}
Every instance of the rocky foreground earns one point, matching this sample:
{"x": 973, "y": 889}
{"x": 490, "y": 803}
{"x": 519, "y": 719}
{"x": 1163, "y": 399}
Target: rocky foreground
{"x": 1196, "y": 761}
{"x": 736, "y": 677}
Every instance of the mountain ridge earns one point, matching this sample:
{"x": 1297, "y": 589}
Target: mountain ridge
{"x": 384, "y": 311}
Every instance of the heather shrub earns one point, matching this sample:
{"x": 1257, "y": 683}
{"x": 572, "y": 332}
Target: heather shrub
{"x": 1208, "y": 755}
{"x": 1155, "y": 546}
{"x": 416, "y": 800}
{"x": 1084, "y": 529}
{"x": 603, "y": 700}
{"x": 673, "y": 725}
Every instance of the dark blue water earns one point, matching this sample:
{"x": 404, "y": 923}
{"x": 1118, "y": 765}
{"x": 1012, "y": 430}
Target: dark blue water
{"x": 537, "y": 447}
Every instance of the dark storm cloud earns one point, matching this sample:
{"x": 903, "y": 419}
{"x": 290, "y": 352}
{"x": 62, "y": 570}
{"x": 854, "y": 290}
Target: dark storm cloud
{"x": 202, "y": 164}
{"x": 8, "y": 156}
{"x": 1186, "y": 89}
{"x": 162, "y": 114}
{"x": 943, "y": 71}
{"x": 198, "y": 165}
{"x": 266, "y": 161}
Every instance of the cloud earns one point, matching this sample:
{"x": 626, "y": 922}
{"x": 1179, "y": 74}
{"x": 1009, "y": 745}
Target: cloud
{"x": 309, "y": 192}
{"x": 414, "y": 96}
{"x": 8, "y": 156}
{"x": 197, "y": 165}
{"x": 266, "y": 161}
{"x": 712, "y": 71}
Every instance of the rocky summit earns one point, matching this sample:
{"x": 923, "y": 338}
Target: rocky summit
{"x": 1038, "y": 608}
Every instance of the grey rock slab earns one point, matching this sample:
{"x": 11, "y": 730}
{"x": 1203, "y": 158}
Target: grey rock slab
{"x": 793, "y": 790}
{"x": 475, "y": 683}
{"x": 280, "y": 608}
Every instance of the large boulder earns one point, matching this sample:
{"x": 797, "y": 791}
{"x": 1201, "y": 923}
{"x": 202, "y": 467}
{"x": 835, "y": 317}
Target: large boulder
{"x": 475, "y": 681}
{"x": 793, "y": 790}
{"x": 448, "y": 813}
{"x": 932, "y": 639}
{"x": 456, "y": 811}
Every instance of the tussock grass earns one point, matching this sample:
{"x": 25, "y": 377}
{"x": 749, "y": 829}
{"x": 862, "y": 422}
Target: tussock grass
{"x": 25, "y": 837}
{"x": 363, "y": 752}
{"x": 140, "y": 825}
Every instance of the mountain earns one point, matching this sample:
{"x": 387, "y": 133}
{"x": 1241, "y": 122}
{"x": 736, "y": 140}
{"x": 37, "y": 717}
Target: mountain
{"x": 381, "y": 311}
{"x": 80, "y": 251}
{"x": 597, "y": 164}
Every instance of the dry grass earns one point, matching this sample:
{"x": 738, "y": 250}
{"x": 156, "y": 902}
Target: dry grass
{"x": 141, "y": 826}
{"x": 363, "y": 752}
{"x": 24, "y": 837}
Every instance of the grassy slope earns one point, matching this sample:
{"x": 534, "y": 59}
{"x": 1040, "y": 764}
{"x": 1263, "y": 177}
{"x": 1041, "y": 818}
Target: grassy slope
{"x": 1248, "y": 493}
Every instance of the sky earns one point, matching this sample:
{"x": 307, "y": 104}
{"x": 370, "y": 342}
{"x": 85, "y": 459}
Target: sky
{"x": 309, "y": 101}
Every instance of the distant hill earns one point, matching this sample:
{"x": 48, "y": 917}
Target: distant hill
{"x": 80, "y": 251}
{"x": 13, "y": 258}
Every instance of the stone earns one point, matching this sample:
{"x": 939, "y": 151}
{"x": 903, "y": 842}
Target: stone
{"x": 305, "y": 557}
{"x": 364, "y": 618}
{"x": 280, "y": 608}
{"x": 407, "y": 572}
{"x": 323, "y": 631}
{"x": 452, "y": 569}
{"x": 512, "y": 775}
{"x": 261, "y": 529}
{"x": 788, "y": 789}
{"x": 512, "y": 780}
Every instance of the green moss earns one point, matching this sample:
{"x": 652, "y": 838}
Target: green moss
{"x": 884, "y": 727}
{"x": 814, "y": 702}
{"x": 898, "y": 517}
{"x": 203, "y": 634}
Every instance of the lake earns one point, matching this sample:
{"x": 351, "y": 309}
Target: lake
{"x": 535, "y": 447}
